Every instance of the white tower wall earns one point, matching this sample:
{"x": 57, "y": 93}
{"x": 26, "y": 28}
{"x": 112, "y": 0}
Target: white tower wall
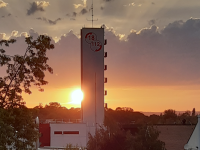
{"x": 92, "y": 75}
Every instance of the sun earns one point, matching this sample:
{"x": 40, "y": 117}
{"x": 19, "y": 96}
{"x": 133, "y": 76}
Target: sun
{"x": 76, "y": 96}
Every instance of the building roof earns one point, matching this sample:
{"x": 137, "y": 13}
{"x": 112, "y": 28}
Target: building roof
{"x": 175, "y": 136}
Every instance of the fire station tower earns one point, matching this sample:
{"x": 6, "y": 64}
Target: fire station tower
{"x": 92, "y": 76}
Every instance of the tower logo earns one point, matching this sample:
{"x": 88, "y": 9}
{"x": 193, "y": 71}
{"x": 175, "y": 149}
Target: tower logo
{"x": 95, "y": 45}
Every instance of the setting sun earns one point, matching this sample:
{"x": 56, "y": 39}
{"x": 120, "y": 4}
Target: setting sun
{"x": 76, "y": 96}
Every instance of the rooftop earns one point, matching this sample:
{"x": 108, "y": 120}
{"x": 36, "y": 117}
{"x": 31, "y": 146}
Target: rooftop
{"x": 175, "y": 136}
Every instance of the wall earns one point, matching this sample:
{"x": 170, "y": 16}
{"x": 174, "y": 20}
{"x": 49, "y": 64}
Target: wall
{"x": 92, "y": 75}
{"x": 61, "y": 140}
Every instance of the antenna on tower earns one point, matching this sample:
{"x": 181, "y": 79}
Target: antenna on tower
{"x": 92, "y": 8}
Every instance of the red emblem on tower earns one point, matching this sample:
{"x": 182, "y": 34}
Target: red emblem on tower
{"x": 91, "y": 38}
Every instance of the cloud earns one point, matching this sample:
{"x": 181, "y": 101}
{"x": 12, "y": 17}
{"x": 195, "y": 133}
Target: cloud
{"x": 168, "y": 57}
{"x": 37, "y": 6}
{"x": 2, "y": 36}
{"x": 107, "y": 0}
{"x": 152, "y": 22}
{"x": 3, "y": 4}
{"x": 49, "y": 21}
{"x": 74, "y": 14}
{"x": 4, "y": 16}
{"x": 83, "y": 11}
{"x": 131, "y": 4}
{"x": 148, "y": 57}
{"x": 78, "y": 5}
{"x": 24, "y": 34}
{"x": 14, "y": 33}
{"x": 81, "y": 5}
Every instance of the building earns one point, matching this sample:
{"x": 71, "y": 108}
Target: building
{"x": 54, "y": 134}
{"x": 194, "y": 140}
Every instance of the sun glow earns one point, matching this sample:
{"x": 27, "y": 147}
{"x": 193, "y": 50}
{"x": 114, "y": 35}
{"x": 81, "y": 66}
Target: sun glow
{"x": 76, "y": 96}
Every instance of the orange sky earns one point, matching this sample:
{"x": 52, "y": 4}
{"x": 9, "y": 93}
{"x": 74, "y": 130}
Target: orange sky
{"x": 149, "y": 99}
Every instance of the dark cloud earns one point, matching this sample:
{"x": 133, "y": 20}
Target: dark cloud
{"x": 169, "y": 57}
{"x": 152, "y": 22}
{"x": 107, "y": 0}
{"x": 74, "y": 14}
{"x": 49, "y": 21}
{"x": 153, "y": 3}
{"x": 101, "y": 7}
{"x": 148, "y": 57}
{"x": 83, "y": 11}
{"x": 4, "y": 16}
{"x": 9, "y": 14}
{"x": 37, "y": 6}
{"x": 72, "y": 19}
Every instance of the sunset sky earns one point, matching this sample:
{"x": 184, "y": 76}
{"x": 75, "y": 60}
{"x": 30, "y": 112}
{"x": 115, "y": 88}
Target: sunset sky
{"x": 153, "y": 49}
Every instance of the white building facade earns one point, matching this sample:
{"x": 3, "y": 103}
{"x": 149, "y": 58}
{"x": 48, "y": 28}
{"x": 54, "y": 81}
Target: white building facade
{"x": 92, "y": 85}
{"x": 92, "y": 77}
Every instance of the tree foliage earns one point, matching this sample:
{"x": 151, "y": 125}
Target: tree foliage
{"x": 145, "y": 139}
{"x": 24, "y": 70}
{"x": 170, "y": 114}
{"x": 53, "y": 105}
{"x": 17, "y": 127}
{"x": 193, "y": 112}
{"x": 54, "y": 110}
{"x": 114, "y": 136}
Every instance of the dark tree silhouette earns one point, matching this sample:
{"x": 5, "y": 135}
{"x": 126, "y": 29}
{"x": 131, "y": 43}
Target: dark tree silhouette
{"x": 170, "y": 114}
{"x": 193, "y": 112}
{"x": 145, "y": 139}
{"x": 22, "y": 71}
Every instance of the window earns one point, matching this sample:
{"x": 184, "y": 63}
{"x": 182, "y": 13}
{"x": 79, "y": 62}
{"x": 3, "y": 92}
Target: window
{"x": 57, "y": 132}
{"x": 70, "y": 132}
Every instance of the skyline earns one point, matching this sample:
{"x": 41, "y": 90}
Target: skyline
{"x": 153, "y": 49}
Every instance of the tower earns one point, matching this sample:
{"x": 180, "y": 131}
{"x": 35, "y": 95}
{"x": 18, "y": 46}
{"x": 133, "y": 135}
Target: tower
{"x": 92, "y": 75}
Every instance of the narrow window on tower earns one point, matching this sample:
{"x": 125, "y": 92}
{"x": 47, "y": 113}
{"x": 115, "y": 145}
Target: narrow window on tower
{"x": 105, "y": 67}
{"x": 105, "y": 92}
{"x": 105, "y": 80}
{"x": 105, "y": 54}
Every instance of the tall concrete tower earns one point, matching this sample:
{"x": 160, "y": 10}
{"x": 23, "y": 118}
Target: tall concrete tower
{"x": 92, "y": 75}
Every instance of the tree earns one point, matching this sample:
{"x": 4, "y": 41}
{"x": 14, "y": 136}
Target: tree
{"x": 193, "y": 112}
{"x": 186, "y": 113}
{"x": 106, "y": 140}
{"x": 25, "y": 129}
{"x": 53, "y": 105}
{"x": 22, "y": 72}
{"x": 170, "y": 114}
{"x": 145, "y": 139}
{"x": 113, "y": 136}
